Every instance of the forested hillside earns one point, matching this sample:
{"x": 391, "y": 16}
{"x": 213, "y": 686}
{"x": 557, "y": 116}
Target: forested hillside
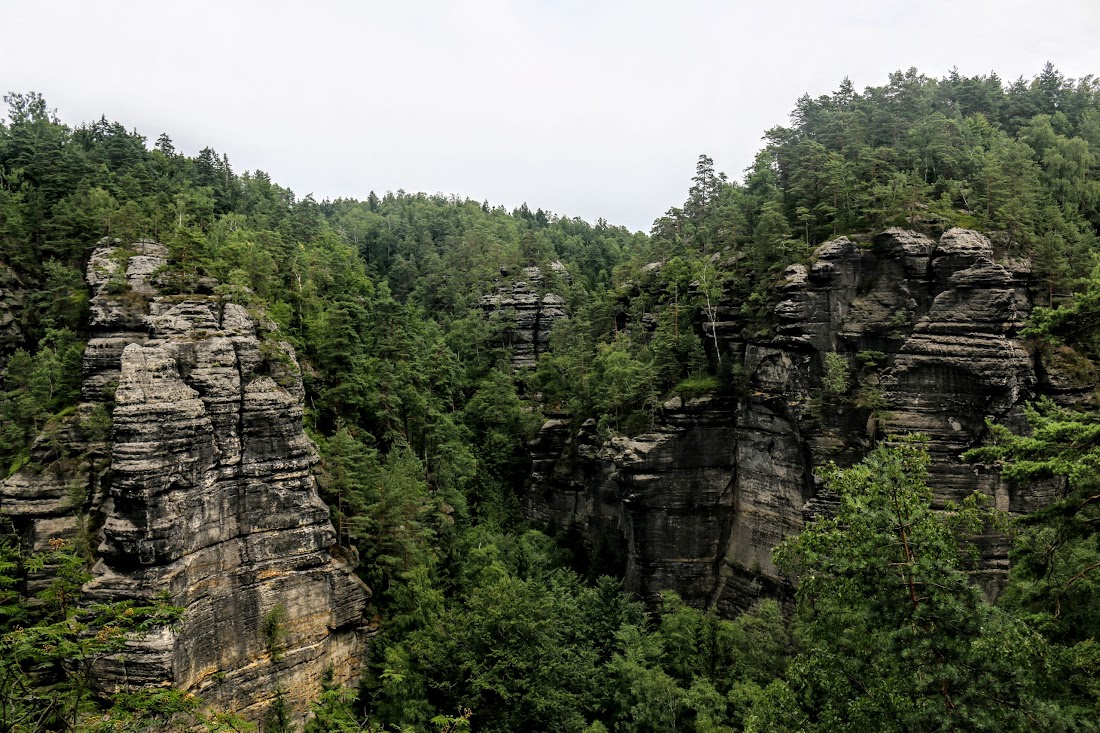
{"x": 480, "y": 621}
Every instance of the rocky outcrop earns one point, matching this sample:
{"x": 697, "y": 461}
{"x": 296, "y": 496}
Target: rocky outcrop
{"x": 209, "y": 500}
{"x": 528, "y": 311}
{"x": 923, "y": 337}
{"x": 13, "y": 297}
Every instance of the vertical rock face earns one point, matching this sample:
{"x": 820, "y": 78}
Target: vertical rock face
{"x": 925, "y": 335}
{"x": 210, "y": 498}
{"x": 529, "y": 313}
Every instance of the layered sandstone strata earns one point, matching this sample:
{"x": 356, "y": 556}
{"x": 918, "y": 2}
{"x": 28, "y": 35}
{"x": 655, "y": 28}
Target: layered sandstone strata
{"x": 528, "y": 310}
{"x": 927, "y": 335}
{"x": 205, "y": 496}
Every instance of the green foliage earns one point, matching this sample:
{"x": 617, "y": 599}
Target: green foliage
{"x": 870, "y": 395}
{"x": 625, "y": 385}
{"x": 382, "y": 506}
{"x": 612, "y": 376}
{"x": 891, "y": 633}
{"x": 1076, "y": 323}
{"x": 37, "y": 387}
{"x": 1056, "y": 565}
{"x": 335, "y": 710}
{"x": 277, "y": 718}
{"x": 500, "y": 424}
{"x": 1055, "y": 577}
{"x": 273, "y": 630}
{"x": 526, "y": 646}
{"x": 836, "y": 378}
{"x": 161, "y": 709}
{"x": 871, "y": 359}
{"x": 48, "y": 648}
{"x": 698, "y": 385}
{"x": 64, "y": 299}
{"x": 423, "y": 426}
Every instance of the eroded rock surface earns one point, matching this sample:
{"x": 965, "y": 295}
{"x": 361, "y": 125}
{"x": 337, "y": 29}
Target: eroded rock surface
{"x": 927, "y": 334}
{"x": 209, "y": 498}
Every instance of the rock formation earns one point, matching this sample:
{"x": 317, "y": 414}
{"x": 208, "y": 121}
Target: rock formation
{"x": 12, "y": 299}
{"x": 925, "y": 337}
{"x": 528, "y": 311}
{"x": 209, "y": 497}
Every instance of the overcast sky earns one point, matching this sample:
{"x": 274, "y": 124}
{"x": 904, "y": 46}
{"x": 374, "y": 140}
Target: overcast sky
{"x": 582, "y": 107}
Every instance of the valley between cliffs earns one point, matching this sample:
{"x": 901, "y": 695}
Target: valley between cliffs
{"x": 203, "y": 492}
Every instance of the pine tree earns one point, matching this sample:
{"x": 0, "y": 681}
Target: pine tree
{"x": 892, "y": 635}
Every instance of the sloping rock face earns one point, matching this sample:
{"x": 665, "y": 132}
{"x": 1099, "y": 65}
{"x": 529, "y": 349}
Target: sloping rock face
{"x": 528, "y": 312}
{"x": 210, "y": 498}
{"x": 922, "y": 337}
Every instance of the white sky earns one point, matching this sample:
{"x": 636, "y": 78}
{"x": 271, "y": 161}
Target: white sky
{"x": 585, "y": 108}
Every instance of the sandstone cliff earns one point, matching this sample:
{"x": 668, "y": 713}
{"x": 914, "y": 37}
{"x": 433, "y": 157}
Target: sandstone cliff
{"x": 203, "y": 492}
{"x": 923, "y": 336}
{"x": 529, "y": 311}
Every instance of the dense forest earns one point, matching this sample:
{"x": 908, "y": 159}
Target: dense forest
{"x": 487, "y": 624}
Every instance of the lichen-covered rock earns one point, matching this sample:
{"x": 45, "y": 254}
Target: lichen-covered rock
{"x": 210, "y": 499}
{"x": 926, "y": 334}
